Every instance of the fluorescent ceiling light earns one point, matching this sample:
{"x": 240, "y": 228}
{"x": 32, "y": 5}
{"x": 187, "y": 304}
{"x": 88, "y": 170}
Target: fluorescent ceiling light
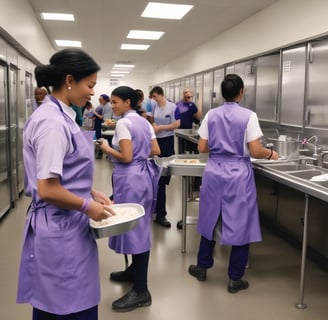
{"x": 120, "y": 71}
{"x": 127, "y": 46}
{"x": 142, "y": 34}
{"x": 166, "y": 10}
{"x": 68, "y": 43}
{"x": 114, "y": 75}
{"x": 57, "y": 16}
{"x": 118, "y": 65}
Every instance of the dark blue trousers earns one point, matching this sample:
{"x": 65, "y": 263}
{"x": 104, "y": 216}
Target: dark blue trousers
{"x": 89, "y": 314}
{"x": 238, "y": 258}
{"x": 139, "y": 270}
{"x": 167, "y": 149}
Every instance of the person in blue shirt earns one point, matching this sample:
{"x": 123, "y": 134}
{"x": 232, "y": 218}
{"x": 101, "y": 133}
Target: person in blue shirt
{"x": 189, "y": 112}
{"x": 165, "y": 118}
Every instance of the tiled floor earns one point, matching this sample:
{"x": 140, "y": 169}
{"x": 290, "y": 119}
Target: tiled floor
{"x": 273, "y": 274}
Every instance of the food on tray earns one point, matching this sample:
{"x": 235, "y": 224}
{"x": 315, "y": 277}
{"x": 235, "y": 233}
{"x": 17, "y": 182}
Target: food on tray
{"x": 187, "y": 161}
{"x": 110, "y": 122}
{"x": 122, "y": 214}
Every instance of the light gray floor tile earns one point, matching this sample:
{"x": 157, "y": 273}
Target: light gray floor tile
{"x": 273, "y": 273}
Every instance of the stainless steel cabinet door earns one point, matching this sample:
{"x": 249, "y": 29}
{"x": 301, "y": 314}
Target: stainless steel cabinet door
{"x": 293, "y": 86}
{"x": 12, "y": 89}
{"x": 317, "y": 106}
{"x": 207, "y": 92}
{"x": 247, "y": 71}
{"x": 199, "y": 93}
{"x": 217, "y": 94}
{"x": 267, "y": 84}
{"x": 5, "y": 202}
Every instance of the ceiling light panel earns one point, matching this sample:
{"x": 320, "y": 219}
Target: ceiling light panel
{"x": 142, "y": 34}
{"x": 57, "y": 16}
{"x": 120, "y": 71}
{"x": 68, "y": 43}
{"x": 120, "y": 65}
{"x": 166, "y": 10}
{"x": 127, "y": 46}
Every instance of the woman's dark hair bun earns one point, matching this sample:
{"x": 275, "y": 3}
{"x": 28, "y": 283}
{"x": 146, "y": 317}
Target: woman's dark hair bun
{"x": 74, "y": 62}
{"x": 44, "y": 75}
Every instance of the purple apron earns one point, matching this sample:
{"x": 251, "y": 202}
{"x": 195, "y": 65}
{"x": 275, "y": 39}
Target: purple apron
{"x": 59, "y": 271}
{"x": 228, "y": 186}
{"x": 136, "y": 182}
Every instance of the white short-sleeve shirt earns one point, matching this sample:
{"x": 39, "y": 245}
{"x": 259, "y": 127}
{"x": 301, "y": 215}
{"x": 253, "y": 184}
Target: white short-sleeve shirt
{"x": 253, "y": 130}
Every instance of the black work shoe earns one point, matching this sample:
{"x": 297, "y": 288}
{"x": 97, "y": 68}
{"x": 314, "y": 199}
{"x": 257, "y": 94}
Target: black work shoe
{"x": 236, "y": 285}
{"x": 198, "y": 272}
{"x": 163, "y": 222}
{"x": 179, "y": 225}
{"x": 132, "y": 300}
{"x": 121, "y": 276}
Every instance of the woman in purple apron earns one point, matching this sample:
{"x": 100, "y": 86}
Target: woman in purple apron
{"x": 135, "y": 179}
{"x": 59, "y": 265}
{"x": 231, "y": 134}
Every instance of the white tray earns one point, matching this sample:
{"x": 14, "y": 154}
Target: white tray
{"x": 187, "y": 162}
{"x": 115, "y": 225}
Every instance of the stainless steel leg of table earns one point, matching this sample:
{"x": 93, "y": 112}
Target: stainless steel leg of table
{"x": 184, "y": 212}
{"x": 301, "y": 304}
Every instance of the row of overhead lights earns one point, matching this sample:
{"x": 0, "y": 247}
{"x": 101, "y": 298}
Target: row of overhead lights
{"x": 153, "y": 10}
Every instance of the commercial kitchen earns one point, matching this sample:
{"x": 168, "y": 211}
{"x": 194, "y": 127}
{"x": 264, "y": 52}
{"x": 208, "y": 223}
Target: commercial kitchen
{"x": 280, "y": 50}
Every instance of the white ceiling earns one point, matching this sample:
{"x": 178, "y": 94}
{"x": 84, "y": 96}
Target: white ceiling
{"x": 102, "y": 26}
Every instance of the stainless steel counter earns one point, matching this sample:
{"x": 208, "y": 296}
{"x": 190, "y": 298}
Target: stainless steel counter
{"x": 297, "y": 176}
{"x": 290, "y": 173}
{"x": 296, "y": 179}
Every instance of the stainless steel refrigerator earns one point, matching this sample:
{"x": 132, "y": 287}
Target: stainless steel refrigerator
{"x": 5, "y": 198}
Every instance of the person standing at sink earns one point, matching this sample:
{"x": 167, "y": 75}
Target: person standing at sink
{"x": 165, "y": 118}
{"x": 228, "y": 202}
{"x": 189, "y": 114}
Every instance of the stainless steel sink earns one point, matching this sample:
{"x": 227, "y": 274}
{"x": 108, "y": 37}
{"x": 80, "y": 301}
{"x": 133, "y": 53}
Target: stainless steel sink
{"x": 290, "y": 166}
{"x": 321, "y": 183}
{"x": 307, "y": 174}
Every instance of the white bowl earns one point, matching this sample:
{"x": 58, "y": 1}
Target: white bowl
{"x": 126, "y": 219}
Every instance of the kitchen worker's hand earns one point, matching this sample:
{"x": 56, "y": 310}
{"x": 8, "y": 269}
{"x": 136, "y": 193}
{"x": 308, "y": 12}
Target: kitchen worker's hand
{"x": 103, "y": 145}
{"x": 156, "y": 127}
{"x": 275, "y": 155}
{"x": 98, "y": 212}
{"x": 101, "y": 197}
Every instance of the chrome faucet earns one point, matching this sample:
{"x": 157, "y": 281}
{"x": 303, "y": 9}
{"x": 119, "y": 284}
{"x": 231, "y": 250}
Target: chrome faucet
{"x": 315, "y": 144}
{"x": 277, "y": 132}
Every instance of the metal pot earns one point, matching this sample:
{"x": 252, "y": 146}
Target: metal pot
{"x": 285, "y": 148}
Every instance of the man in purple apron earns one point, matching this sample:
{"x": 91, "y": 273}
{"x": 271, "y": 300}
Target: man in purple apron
{"x": 230, "y": 134}
{"x": 59, "y": 272}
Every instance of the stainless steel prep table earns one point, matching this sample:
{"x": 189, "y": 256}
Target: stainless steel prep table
{"x": 185, "y": 171}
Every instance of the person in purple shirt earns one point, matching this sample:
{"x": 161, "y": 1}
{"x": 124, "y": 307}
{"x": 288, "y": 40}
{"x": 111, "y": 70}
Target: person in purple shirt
{"x": 59, "y": 269}
{"x": 228, "y": 205}
{"x": 189, "y": 114}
